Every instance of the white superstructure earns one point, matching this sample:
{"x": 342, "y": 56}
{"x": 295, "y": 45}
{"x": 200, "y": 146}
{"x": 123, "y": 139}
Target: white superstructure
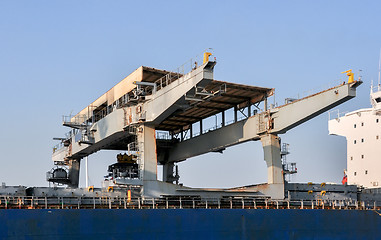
{"x": 362, "y": 128}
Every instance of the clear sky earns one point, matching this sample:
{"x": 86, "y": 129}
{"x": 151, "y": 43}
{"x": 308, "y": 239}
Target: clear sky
{"x": 58, "y": 56}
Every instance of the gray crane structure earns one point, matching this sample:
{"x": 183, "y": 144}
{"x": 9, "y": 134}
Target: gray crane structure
{"x": 153, "y": 115}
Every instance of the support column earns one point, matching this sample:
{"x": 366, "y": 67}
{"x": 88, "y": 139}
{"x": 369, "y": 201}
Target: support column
{"x": 223, "y": 118}
{"x": 74, "y": 168}
{"x": 235, "y": 113}
{"x": 147, "y": 149}
{"x": 169, "y": 175}
{"x": 249, "y": 109}
{"x": 271, "y": 150}
{"x": 182, "y": 134}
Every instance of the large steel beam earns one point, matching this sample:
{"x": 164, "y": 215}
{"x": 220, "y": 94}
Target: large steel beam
{"x": 274, "y": 121}
{"x": 170, "y": 99}
{"x": 293, "y": 114}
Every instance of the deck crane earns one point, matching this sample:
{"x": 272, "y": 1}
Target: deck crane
{"x": 129, "y": 116}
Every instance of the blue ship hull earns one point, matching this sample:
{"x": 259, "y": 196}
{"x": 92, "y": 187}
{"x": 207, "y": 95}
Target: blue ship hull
{"x": 189, "y": 224}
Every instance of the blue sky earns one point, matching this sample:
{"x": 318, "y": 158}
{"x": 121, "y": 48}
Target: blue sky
{"x": 58, "y": 56}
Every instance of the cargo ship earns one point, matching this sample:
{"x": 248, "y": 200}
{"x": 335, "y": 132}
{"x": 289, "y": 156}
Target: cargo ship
{"x": 156, "y": 117}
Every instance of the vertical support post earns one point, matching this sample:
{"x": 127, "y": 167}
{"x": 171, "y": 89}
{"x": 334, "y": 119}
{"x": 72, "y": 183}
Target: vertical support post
{"x": 223, "y": 118}
{"x": 235, "y": 113}
{"x": 168, "y": 173}
{"x": 201, "y": 127}
{"x": 182, "y": 134}
{"x": 271, "y": 150}
{"x": 191, "y": 130}
{"x": 265, "y": 104}
{"x": 74, "y": 168}
{"x": 87, "y": 171}
{"x": 147, "y": 147}
{"x": 248, "y": 109}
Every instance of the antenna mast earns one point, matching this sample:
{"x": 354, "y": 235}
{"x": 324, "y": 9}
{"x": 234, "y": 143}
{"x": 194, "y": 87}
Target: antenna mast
{"x": 379, "y": 71}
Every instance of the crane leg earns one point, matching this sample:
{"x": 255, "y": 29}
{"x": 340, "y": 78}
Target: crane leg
{"x": 271, "y": 150}
{"x": 74, "y": 168}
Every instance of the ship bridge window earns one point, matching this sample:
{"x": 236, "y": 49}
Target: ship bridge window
{"x": 355, "y": 173}
{"x": 377, "y": 120}
{"x": 378, "y": 99}
{"x": 354, "y": 142}
{"x": 354, "y": 126}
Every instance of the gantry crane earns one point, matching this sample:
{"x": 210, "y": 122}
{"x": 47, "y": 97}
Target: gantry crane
{"x": 157, "y": 116}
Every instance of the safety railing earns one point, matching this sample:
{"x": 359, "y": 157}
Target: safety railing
{"x": 79, "y": 119}
{"x": 167, "y": 136}
{"x": 335, "y": 114}
{"x": 315, "y": 90}
{"x": 376, "y": 88}
{"x": 58, "y": 147}
{"x": 185, "y": 68}
{"x": 107, "y": 202}
{"x": 163, "y": 135}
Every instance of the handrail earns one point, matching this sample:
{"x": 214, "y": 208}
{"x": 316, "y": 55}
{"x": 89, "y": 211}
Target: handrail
{"x": 335, "y": 114}
{"x": 177, "y": 202}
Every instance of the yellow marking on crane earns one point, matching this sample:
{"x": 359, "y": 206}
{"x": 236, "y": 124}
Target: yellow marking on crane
{"x": 206, "y": 57}
{"x": 350, "y": 75}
